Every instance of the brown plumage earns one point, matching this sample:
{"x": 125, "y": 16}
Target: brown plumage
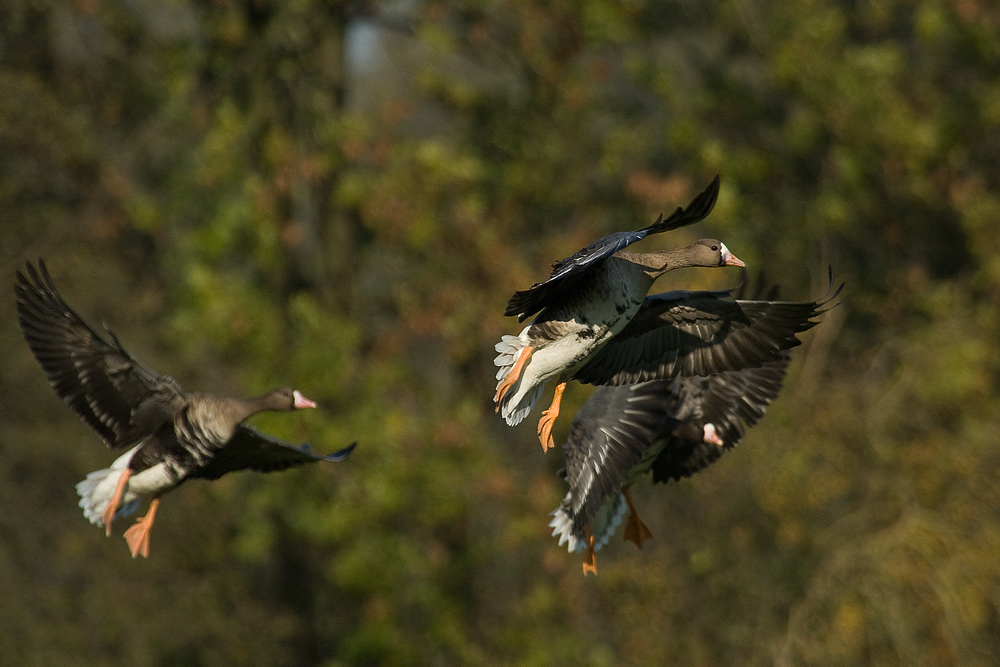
{"x": 172, "y": 435}
{"x": 674, "y": 428}
{"x": 586, "y": 301}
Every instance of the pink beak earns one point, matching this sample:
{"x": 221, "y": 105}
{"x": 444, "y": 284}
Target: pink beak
{"x": 729, "y": 259}
{"x": 711, "y": 437}
{"x": 301, "y": 401}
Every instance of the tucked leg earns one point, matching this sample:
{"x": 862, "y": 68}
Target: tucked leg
{"x": 590, "y": 560}
{"x": 548, "y": 419}
{"x": 636, "y": 531}
{"x": 512, "y": 377}
{"x": 138, "y": 535}
{"x": 109, "y": 511}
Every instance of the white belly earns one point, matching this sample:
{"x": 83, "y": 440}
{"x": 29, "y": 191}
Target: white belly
{"x": 556, "y": 358}
{"x": 564, "y": 338}
{"x": 96, "y": 491}
{"x": 151, "y": 481}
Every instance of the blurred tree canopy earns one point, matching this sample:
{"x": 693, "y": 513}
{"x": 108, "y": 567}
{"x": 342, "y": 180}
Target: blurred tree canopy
{"x": 342, "y": 195}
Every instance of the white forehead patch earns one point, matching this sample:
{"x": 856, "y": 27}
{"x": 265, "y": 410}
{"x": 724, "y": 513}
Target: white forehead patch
{"x": 711, "y": 436}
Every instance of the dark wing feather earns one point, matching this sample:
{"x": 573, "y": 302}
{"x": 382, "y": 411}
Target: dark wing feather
{"x": 623, "y": 432}
{"x": 699, "y": 333}
{"x": 122, "y": 400}
{"x": 566, "y": 273}
{"x": 249, "y": 449}
{"x": 733, "y": 401}
{"x": 607, "y": 438}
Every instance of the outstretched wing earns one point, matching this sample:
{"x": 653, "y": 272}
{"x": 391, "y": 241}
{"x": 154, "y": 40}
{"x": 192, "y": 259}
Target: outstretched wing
{"x": 607, "y": 438}
{"x": 732, "y": 401}
{"x": 118, "y": 397}
{"x": 567, "y": 272}
{"x": 249, "y": 449}
{"x": 700, "y": 333}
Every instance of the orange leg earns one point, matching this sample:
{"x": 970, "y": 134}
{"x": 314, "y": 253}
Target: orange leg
{"x": 548, "y": 419}
{"x": 636, "y": 531}
{"x": 109, "y": 511}
{"x": 138, "y": 535}
{"x": 590, "y": 560}
{"x": 512, "y": 377}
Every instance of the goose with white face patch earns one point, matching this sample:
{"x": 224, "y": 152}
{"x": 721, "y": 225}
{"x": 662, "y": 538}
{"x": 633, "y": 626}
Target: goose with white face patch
{"x": 172, "y": 435}
{"x": 674, "y": 428}
{"x": 587, "y": 300}
{"x": 671, "y": 428}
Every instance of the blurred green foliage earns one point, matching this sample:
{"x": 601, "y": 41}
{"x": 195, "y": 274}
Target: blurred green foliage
{"x": 342, "y": 196}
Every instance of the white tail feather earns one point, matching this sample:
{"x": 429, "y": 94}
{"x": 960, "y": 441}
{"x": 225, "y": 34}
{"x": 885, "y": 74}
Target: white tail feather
{"x": 602, "y": 525}
{"x": 96, "y": 491}
{"x": 510, "y": 349}
{"x": 562, "y": 526}
{"x": 515, "y": 414}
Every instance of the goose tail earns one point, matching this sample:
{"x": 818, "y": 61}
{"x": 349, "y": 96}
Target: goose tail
{"x": 97, "y": 489}
{"x": 515, "y": 405}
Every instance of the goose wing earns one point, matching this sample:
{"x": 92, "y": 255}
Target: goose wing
{"x": 114, "y": 394}
{"x": 684, "y": 333}
{"x": 607, "y": 439}
{"x": 566, "y": 273}
{"x": 249, "y": 449}
{"x": 732, "y": 401}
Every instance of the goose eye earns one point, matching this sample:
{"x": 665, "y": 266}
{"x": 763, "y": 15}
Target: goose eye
{"x": 715, "y": 247}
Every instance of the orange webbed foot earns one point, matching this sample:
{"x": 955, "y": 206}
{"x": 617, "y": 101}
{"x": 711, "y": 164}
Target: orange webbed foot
{"x": 545, "y": 425}
{"x": 138, "y": 535}
{"x": 548, "y": 419}
{"x": 590, "y": 560}
{"x": 636, "y": 531}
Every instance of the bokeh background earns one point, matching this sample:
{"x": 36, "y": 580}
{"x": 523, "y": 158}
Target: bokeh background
{"x": 342, "y": 196}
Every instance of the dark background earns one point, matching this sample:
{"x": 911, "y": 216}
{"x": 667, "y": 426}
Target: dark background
{"x": 342, "y": 196}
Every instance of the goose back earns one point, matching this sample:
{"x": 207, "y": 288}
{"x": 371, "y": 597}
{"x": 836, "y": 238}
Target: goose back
{"x": 567, "y": 273}
{"x": 203, "y": 428}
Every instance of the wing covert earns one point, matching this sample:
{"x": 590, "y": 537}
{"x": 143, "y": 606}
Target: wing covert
{"x": 607, "y": 438}
{"x": 732, "y": 401}
{"x": 249, "y": 449}
{"x": 699, "y": 333}
{"x": 567, "y": 272}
